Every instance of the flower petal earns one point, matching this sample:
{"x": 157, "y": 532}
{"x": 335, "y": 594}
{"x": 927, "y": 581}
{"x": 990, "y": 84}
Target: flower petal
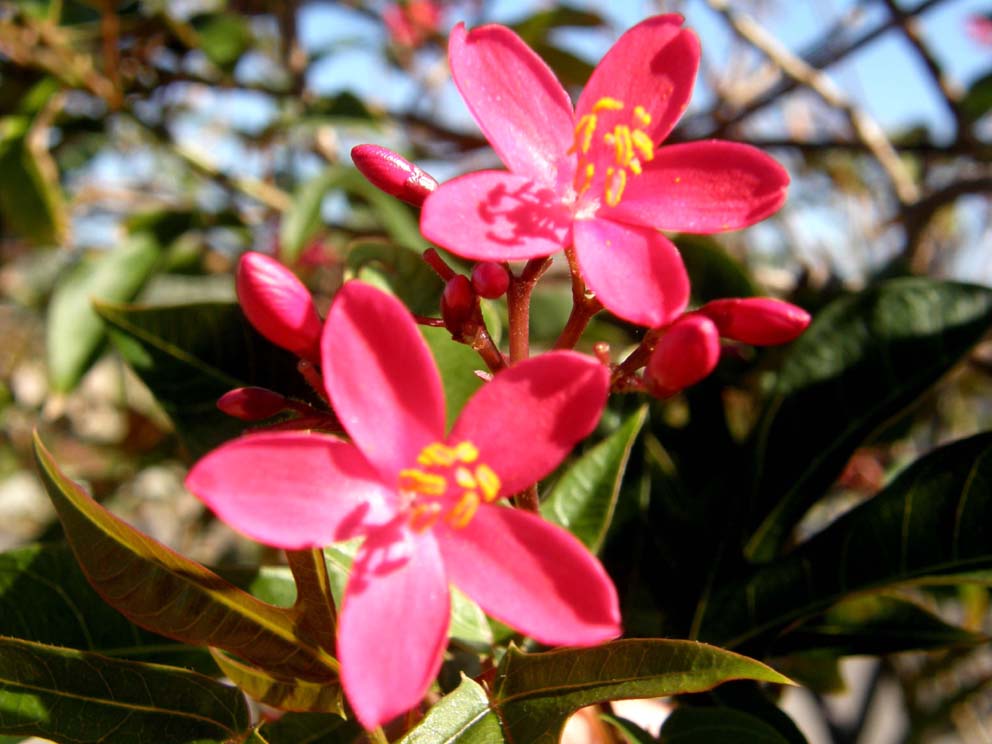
{"x": 653, "y": 65}
{"x": 496, "y": 216}
{"x": 530, "y": 416}
{"x": 703, "y": 187}
{"x": 292, "y": 490}
{"x": 394, "y": 623}
{"x": 518, "y": 103}
{"x": 533, "y": 576}
{"x": 381, "y": 377}
{"x": 636, "y": 273}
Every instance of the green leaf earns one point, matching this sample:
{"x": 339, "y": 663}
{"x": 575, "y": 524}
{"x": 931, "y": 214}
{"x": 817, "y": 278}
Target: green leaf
{"x": 166, "y": 593}
{"x": 76, "y": 696}
{"x": 397, "y": 270}
{"x": 535, "y": 693}
{"x": 536, "y": 27}
{"x": 873, "y": 625}
{"x": 310, "y": 728}
{"x": 224, "y": 37}
{"x": 933, "y": 521}
{"x": 190, "y": 355}
{"x": 457, "y": 364}
{"x": 583, "y": 499}
{"x": 75, "y": 332}
{"x": 44, "y": 597}
{"x": 461, "y": 716}
{"x": 631, "y": 732}
{"x": 31, "y": 200}
{"x": 862, "y": 361}
{"x": 978, "y": 100}
{"x": 284, "y": 693}
{"x": 713, "y": 272}
{"x": 708, "y": 725}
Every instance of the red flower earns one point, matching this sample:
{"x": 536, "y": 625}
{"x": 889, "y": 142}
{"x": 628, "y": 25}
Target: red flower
{"x": 427, "y": 501}
{"x": 596, "y": 177}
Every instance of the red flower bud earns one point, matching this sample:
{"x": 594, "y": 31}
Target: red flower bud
{"x": 390, "y": 172}
{"x": 457, "y": 303}
{"x": 689, "y": 350}
{"x": 759, "y": 321}
{"x": 490, "y": 280}
{"x": 251, "y": 403}
{"x": 278, "y": 305}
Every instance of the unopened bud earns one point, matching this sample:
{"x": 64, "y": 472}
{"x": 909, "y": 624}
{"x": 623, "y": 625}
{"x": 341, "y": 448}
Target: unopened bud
{"x": 490, "y": 280}
{"x": 278, "y": 305}
{"x": 251, "y": 403}
{"x": 391, "y": 172}
{"x": 759, "y": 321}
{"x": 688, "y": 352}
{"x": 457, "y": 303}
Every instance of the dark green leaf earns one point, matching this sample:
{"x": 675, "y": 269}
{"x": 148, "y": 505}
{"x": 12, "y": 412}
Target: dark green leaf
{"x": 462, "y": 716}
{"x": 224, "y": 37}
{"x": 457, "y": 364}
{"x": 874, "y": 625}
{"x": 310, "y": 728}
{"x": 630, "y": 731}
{"x": 535, "y": 28}
{"x": 535, "y": 693}
{"x": 31, "y": 199}
{"x": 584, "y": 497}
{"x": 934, "y": 520}
{"x": 190, "y": 355}
{"x": 862, "y": 361}
{"x": 166, "y": 593}
{"x": 398, "y": 270}
{"x": 978, "y": 100}
{"x": 713, "y": 272}
{"x": 708, "y": 725}
{"x": 75, "y": 332}
{"x": 76, "y": 696}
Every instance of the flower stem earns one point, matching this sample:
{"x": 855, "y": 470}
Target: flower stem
{"x": 583, "y": 306}
{"x": 434, "y": 260}
{"x": 425, "y": 320}
{"x": 482, "y": 342}
{"x": 518, "y": 306}
{"x": 314, "y": 603}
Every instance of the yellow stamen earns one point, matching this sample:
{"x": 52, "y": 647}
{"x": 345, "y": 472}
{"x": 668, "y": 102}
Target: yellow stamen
{"x": 584, "y": 131}
{"x": 465, "y": 479}
{"x": 436, "y": 454}
{"x": 608, "y": 104}
{"x": 642, "y": 116}
{"x": 589, "y": 171}
{"x": 643, "y": 144}
{"x": 427, "y": 484}
{"x": 488, "y": 482}
{"x": 424, "y": 516}
{"x": 635, "y": 166}
{"x": 616, "y": 182}
{"x": 466, "y": 452}
{"x": 462, "y": 512}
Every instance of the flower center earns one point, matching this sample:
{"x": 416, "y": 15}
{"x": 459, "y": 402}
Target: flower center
{"x": 626, "y": 144}
{"x": 450, "y": 484}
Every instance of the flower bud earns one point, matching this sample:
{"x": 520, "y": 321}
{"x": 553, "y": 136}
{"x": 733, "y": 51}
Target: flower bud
{"x": 278, "y": 305}
{"x": 251, "y": 403}
{"x": 457, "y": 303}
{"x": 688, "y": 352}
{"x": 390, "y": 172}
{"x": 490, "y": 280}
{"x": 759, "y": 321}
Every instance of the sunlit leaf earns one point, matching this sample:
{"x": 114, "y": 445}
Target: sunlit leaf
{"x": 584, "y": 497}
{"x": 462, "y": 716}
{"x": 77, "y": 696}
{"x": 166, "y": 593}
{"x": 285, "y": 693}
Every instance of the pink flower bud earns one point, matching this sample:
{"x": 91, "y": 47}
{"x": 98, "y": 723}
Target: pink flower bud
{"x": 689, "y": 350}
{"x": 278, "y": 305}
{"x": 251, "y": 403}
{"x": 392, "y": 173}
{"x": 457, "y": 303}
{"x": 490, "y": 280}
{"x": 759, "y": 321}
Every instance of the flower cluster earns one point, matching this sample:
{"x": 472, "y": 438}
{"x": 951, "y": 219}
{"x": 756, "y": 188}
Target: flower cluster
{"x": 432, "y": 504}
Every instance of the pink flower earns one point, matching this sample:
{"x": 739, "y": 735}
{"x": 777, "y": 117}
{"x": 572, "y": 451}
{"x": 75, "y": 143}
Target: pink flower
{"x": 980, "y": 29}
{"x": 688, "y": 352}
{"x": 410, "y": 23}
{"x": 759, "y": 321}
{"x": 278, "y": 305}
{"x": 390, "y": 172}
{"x": 426, "y": 501}
{"x": 596, "y": 177}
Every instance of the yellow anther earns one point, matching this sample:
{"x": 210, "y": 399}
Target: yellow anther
{"x": 608, "y": 104}
{"x": 616, "y": 182}
{"x": 584, "y": 132}
{"x": 588, "y": 172}
{"x": 427, "y": 484}
{"x": 462, "y": 512}
{"x": 465, "y": 479}
{"x": 436, "y": 454}
{"x": 488, "y": 482}
{"x": 424, "y": 516}
{"x": 642, "y": 116}
{"x": 643, "y": 144}
{"x": 466, "y": 452}
{"x": 635, "y": 166}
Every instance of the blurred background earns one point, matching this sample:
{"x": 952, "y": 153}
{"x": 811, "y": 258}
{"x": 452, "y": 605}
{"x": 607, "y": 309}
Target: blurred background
{"x": 145, "y": 144}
